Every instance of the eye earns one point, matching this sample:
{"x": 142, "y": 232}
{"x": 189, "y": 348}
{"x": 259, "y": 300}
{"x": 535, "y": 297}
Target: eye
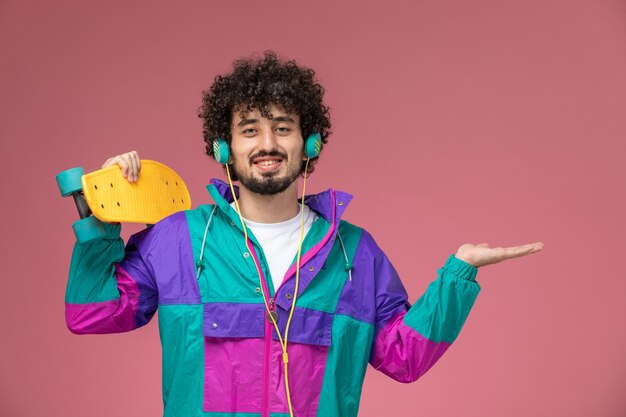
{"x": 249, "y": 132}
{"x": 283, "y": 130}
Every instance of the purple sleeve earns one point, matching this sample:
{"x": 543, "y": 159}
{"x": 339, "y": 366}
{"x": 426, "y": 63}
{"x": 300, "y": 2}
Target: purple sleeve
{"x": 410, "y": 339}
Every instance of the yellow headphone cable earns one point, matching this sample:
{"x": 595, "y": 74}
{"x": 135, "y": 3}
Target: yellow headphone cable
{"x": 283, "y": 343}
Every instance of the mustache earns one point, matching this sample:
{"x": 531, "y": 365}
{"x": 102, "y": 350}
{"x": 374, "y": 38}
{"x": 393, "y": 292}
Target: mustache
{"x": 261, "y": 154}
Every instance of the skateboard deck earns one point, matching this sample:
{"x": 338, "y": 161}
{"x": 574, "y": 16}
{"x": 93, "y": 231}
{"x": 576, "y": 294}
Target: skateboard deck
{"x": 158, "y": 192}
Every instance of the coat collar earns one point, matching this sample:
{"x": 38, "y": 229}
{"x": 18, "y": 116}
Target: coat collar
{"x": 329, "y": 204}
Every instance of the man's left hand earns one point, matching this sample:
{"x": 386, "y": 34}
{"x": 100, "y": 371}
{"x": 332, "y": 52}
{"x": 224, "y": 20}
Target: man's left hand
{"x": 482, "y": 254}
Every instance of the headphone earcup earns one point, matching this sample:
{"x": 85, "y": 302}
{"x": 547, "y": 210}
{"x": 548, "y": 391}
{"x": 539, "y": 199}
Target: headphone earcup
{"x": 313, "y": 145}
{"x": 221, "y": 152}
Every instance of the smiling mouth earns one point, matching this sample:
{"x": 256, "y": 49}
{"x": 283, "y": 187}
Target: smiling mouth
{"x": 267, "y": 163}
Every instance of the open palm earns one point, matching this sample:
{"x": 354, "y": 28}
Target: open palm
{"x": 481, "y": 254}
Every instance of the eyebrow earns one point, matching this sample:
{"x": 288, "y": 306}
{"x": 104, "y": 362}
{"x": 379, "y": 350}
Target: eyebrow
{"x": 283, "y": 119}
{"x": 245, "y": 122}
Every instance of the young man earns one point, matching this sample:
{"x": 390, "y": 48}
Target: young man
{"x": 268, "y": 306}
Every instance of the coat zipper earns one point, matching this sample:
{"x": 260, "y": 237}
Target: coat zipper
{"x": 269, "y": 327}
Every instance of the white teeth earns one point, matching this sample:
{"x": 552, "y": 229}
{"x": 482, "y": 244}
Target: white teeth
{"x": 267, "y": 163}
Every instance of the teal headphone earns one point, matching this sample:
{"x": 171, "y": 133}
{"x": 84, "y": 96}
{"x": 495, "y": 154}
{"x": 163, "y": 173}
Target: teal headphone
{"x": 312, "y": 147}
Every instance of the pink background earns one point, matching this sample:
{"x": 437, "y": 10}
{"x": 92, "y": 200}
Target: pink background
{"x": 457, "y": 121}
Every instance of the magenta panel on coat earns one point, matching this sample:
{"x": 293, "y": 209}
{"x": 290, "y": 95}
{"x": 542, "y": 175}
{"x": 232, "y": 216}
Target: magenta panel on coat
{"x": 234, "y": 376}
{"x": 113, "y": 316}
{"x": 393, "y": 344}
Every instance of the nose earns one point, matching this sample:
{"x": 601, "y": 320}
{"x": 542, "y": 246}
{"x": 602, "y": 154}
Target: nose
{"x": 267, "y": 140}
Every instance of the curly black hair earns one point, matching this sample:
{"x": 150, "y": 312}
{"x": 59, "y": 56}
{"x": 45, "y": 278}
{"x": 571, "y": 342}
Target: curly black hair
{"x": 259, "y": 83}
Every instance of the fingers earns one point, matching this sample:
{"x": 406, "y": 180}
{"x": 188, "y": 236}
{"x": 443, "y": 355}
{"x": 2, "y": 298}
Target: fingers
{"x": 517, "y": 251}
{"x": 129, "y": 163}
{"x": 133, "y": 166}
{"x": 481, "y": 254}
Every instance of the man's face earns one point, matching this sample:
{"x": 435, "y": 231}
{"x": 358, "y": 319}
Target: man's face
{"x": 267, "y": 154}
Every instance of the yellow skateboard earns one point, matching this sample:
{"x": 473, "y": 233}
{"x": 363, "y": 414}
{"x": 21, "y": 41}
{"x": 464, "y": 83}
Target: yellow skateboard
{"x": 158, "y": 192}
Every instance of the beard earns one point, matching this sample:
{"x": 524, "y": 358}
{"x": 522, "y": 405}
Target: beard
{"x": 269, "y": 183}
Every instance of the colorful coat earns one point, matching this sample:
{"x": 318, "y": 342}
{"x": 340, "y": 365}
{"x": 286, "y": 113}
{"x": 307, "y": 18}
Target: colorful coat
{"x": 221, "y": 356}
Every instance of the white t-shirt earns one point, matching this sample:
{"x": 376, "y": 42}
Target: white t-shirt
{"x": 280, "y": 241}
